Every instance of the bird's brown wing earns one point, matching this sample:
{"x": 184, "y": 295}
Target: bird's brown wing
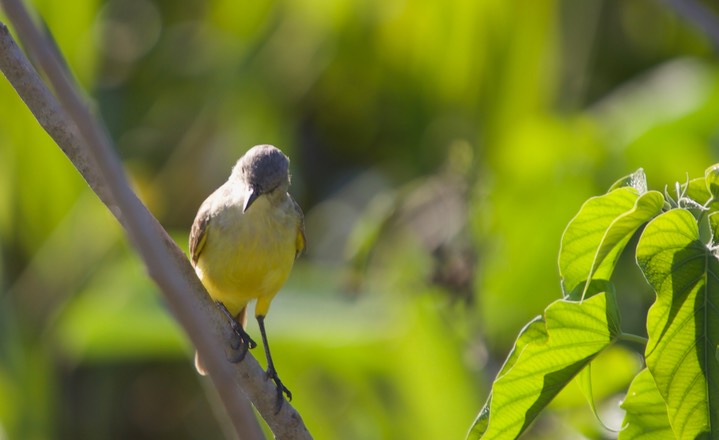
{"x": 198, "y": 233}
{"x": 301, "y": 240}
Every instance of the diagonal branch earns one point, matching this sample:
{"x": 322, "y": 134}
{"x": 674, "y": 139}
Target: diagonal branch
{"x": 70, "y": 123}
{"x": 699, "y": 15}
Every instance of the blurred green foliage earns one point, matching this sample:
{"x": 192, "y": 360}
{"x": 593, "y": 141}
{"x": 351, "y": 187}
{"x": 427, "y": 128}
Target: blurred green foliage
{"x": 438, "y": 149}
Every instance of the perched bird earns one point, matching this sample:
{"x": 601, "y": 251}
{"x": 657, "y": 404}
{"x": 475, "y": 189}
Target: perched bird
{"x": 244, "y": 242}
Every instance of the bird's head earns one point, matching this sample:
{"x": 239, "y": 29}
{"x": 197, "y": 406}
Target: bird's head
{"x": 263, "y": 169}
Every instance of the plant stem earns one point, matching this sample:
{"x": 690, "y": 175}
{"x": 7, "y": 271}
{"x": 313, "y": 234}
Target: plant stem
{"x": 629, "y": 337}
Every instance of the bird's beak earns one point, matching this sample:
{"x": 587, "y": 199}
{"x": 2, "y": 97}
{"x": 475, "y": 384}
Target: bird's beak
{"x": 250, "y": 196}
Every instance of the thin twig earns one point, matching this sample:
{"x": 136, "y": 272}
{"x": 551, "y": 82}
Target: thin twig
{"x": 86, "y": 144}
{"x": 700, "y": 16}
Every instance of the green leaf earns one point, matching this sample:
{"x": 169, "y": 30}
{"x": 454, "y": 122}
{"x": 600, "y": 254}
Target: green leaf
{"x": 646, "y": 416}
{"x": 696, "y": 189}
{"x": 547, "y": 355}
{"x": 711, "y": 175}
{"x": 596, "y": 236}
{"x": 713, "y": 220}
{"x": 683, "y": 323}
{"x": 534, "y": 331}
{"x": 695, "y": 194}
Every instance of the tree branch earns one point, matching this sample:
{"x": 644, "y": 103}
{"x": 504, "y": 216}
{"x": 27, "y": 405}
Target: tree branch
{"x": 72, "y": 126}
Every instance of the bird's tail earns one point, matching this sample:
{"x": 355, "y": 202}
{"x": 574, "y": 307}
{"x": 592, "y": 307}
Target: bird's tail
{"x": 198, "y": 365}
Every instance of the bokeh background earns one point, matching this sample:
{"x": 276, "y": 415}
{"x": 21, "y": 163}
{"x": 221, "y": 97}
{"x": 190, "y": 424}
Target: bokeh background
{"x": 438, "y": 150}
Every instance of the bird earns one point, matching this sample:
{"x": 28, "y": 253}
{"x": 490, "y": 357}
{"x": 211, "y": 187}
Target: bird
{"x": 243, "y": 244}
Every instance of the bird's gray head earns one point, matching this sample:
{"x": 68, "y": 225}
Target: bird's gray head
{"x": 263, "y": 168}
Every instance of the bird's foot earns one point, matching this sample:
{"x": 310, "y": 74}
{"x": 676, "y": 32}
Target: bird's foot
{"x": 241, "y": 343}
{"x": 281, "y": 389}
{"x": 242, "y": 340}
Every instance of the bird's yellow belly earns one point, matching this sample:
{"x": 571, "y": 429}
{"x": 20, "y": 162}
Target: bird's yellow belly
{"x": 262, "y": 252}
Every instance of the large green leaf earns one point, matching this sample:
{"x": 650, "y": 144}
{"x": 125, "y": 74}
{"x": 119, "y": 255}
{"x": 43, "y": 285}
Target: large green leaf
{"x": 596, "y": 236}
{"x": 547, "y": 355}
{"x": 535, "y": 331}
{"x": 646, "y": 417}
{"x": 683, "y": 323}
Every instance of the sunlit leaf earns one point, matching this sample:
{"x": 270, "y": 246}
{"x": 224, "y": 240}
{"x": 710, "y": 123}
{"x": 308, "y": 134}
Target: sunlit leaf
{"x": 596, "y": 236}
{"x": 695, "y": 194}
{"x": 696, "y": 189}
{"x": 534, "y": 332}
{"x": 544, "y": 361}
{"x": 683, "y": 323}
{"x": 646, "y": 416}
{"x": 711, "y": 175}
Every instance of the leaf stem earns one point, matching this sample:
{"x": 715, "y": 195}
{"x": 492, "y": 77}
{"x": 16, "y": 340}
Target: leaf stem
{"x": 629, "y": 337}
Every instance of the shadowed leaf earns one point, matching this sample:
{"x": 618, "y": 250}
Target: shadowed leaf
{"x": 683, "y": 323}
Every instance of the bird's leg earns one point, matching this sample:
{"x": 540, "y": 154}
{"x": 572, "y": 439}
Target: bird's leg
{"x": 243, "y": 341}
{"x": 271, "y": 372}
